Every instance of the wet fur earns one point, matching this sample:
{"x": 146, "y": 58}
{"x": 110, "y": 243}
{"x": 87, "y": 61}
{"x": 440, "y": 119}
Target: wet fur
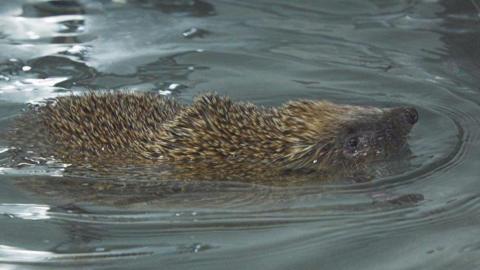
{"x": 213, "y": 135}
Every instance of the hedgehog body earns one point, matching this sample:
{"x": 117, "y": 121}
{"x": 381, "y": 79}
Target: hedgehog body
{"x": 221, "y": 134}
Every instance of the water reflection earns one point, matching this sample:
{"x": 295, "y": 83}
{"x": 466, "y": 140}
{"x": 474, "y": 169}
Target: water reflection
{"x": 57, "y": 22}
{"x": 9, "y": 254}
{"x": 25, "y": 211}
{"x": 52, "y": 8}
{"x": 420, "y": 53}
{"x": 461, "y": 36}
{"x": 195, "y": 8}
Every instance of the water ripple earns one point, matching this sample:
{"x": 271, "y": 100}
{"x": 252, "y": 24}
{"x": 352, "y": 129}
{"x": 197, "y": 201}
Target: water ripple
{"x": 9, "y": 254}
{"x": 384, "y": 53}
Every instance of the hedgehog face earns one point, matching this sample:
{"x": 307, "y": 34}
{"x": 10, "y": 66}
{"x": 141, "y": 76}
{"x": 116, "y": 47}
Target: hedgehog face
{"x": 328, "y": 135}
{"x": 375, "y": 135}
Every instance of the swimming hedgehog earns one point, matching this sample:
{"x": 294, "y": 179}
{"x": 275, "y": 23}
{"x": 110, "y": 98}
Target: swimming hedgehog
{"x": 216, "y": 133}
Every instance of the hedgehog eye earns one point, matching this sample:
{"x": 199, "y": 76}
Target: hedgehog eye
{"x": 353, "y": 142}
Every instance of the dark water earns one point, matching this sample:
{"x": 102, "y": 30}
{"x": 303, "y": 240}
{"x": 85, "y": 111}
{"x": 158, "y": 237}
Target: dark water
{"x": 422, "y": 215}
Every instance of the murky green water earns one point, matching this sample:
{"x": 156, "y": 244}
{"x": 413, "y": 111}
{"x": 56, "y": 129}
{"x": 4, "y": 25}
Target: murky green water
{"x": 423, "y": 214}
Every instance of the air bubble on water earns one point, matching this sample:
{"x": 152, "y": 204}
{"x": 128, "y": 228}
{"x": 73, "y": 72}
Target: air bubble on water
{"x": 164, "y": 92}
{"x": 196, "y": 248}
{"x": 173, "y": 86}
{"x": 170, "y": 88}
{"x": 190, "y": 32}
{"x": 194, "y": 32}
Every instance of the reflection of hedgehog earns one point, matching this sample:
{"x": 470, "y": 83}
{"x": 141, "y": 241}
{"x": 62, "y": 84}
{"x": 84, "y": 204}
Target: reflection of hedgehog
{"x": 215, "y": 131}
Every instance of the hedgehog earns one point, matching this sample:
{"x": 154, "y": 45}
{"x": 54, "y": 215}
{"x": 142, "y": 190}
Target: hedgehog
{"x": 216, "y": 134}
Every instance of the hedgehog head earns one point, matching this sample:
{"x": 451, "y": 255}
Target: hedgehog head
{"x": 326, "y": 134}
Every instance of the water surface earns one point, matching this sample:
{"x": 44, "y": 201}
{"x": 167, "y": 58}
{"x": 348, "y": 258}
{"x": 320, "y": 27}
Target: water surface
{"x": 418, "y": 213}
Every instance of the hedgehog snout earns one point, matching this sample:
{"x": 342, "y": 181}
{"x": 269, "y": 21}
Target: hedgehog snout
{"x": 408, "y": 115}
